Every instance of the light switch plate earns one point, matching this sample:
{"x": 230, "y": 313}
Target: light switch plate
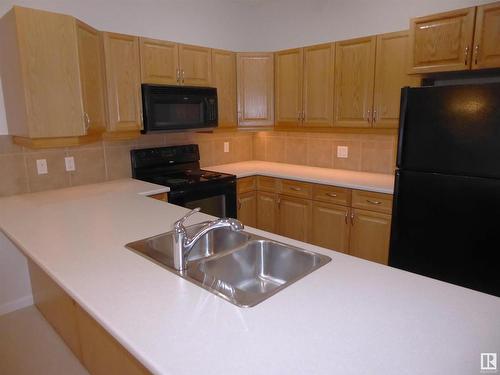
{"x": 342, "y": 152}
{"x": 41, "y": 166}
{"x": 226, "y": 146}
{"x": 69, "y": 161}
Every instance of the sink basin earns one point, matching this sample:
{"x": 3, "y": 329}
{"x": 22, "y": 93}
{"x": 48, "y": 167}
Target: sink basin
{"x": 159, "y": 248}
{"x": 241, "y": 267}
{"x": 256, "y": 271}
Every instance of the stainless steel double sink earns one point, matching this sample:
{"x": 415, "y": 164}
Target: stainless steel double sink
{"x": 243, "y": 268}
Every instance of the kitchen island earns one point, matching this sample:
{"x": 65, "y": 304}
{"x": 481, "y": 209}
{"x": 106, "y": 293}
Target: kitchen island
{"x": 349, "y": 317}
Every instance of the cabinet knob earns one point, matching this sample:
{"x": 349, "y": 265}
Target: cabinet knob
{"x": 333, "y": 195}
{"x": 352, "y": 218}
{"x": 295, "y": 188}
{"x": 87, "y": 120}
{"x": 466, "y": 54}
{"x": 476, "y": 53}
{"x": 374, "y": 202}
{"x": 368, "y": 116}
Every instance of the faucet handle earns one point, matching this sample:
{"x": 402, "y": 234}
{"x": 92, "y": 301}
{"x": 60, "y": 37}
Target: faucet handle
{"x": 180, "y": 223}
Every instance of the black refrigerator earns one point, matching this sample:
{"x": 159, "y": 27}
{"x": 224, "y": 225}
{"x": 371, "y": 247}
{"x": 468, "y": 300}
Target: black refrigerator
{"x": 446, "y": 210}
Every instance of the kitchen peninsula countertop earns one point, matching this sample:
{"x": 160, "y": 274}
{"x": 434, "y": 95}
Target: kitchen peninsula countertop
{"x": 350, "y": 316}
{"x": 377, "y": 182}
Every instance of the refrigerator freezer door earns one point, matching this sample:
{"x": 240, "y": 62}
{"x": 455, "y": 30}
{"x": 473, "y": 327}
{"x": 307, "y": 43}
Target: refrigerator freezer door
{"x": 451, "y": 130}
{"x": 447, "y": 227}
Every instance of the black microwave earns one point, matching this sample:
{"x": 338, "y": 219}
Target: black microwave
{"x": 176, "y": 108}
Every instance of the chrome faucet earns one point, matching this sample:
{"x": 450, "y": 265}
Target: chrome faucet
{"x": 182, "y": 243}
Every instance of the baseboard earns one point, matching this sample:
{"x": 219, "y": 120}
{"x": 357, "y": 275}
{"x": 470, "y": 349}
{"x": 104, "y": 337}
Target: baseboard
{"x": 16, "y": 305}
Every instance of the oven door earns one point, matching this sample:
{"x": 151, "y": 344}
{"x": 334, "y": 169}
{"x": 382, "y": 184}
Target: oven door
{"x": 169, "y": 108}
{"x": 216, "y": 199}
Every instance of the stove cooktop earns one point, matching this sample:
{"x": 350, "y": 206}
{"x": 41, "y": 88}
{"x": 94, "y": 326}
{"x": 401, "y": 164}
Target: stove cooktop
{"x": 188, "y": 178}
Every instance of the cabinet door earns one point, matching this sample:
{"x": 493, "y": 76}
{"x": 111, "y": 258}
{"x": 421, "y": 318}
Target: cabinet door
{"x": 288, "y": 87}
{"x": 441, "y": 42}
{"x": 48, "y": 58}
{"x": 196, "y": 65}
{"x": 255, "y": 89}
{"x": 330, "y": 226}
{"x": 92, "y": 77}
{"x": 267, "y": 211}
{"x": 159, "y": 62}
{"x": 354, "y": 74}
{"x": 247, "y": 208}
{"x": 370, "y": 233}
{"x": 224, "y": 79}
{"x": 294, "y": 217}
{"x": 318, "y": 85}
{"x": 123, "y": 81}
{"x": 390, "y": 76}
{"x": 487, "y": 37}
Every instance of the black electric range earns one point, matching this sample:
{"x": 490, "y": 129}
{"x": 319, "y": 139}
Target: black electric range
{"x": 178, "y": 167}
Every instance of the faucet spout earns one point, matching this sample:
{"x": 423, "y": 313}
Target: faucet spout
{"x": 183, "y": 243}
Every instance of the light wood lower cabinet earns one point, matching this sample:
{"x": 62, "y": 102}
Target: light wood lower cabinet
{"x": 330, "y": 226}
{"x": 370, "y": 233}
{"x": 294, "y": 217}
{"x": 247, "y": 208}
{"x": 96, "y": 349}
{"x": 356, "y": 222}
{"x": 267, "y": 217}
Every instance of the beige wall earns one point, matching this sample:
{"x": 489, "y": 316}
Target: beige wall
{"x": 102, "y": 161}
{"x": 367, "y": 152}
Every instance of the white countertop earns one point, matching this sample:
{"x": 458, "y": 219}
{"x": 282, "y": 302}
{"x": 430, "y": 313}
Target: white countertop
{"x": 378, "y": 182}
{"x": 349, "y": 317}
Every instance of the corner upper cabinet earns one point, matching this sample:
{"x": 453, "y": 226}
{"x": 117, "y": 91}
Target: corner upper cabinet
{"x": 442, "y": 42}
{"x": 486, "y": 52}
{"x": 159, "y": 62}
{"x": 51, "y": 79}
{"x": 195, "y": 65}
{"x": 255, "y": 89}
{"x": 123, "y": 83}
{"x": 288, "y": 73}
{"x": 354, "y": 78}
{"x": 224, "y": 79}
{"x": 390, "y": 76}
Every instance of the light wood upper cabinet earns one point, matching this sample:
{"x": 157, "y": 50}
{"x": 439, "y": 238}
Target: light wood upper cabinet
{"x": 486, "y": 52}
{"x": 92, "y": 77}
{"x": 159, "y": 62}
{"x": 255, "y": 89}
{"x": 196, "y": 65}
{"x": 390, "y": 76}
{"x": 370, "y": 235}
{"x": 294, "y": 217}
{"x": 318, "y": 85}
{"x": 288, "y": 74}
{"x": 442, "y": 42}
{"x": 224, "y": 79}
{"x": 354, "y": 78}
{"x": 330, "y": 226}
{"x": 40, "y": 74}
{"x": 123, "y": 82}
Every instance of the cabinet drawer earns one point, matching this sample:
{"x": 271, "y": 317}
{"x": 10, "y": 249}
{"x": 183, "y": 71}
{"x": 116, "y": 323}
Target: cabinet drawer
{"x": 332, "y": 194}
{"x": 246, "y": 184}
{"x": 269, "y": 184}
{"x": 296, "y": 189}
{"x": 372, "y": 201}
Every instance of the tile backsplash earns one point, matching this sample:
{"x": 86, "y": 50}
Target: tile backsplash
{"x": 103, "y": 161}
{"x": 366, "y": 152}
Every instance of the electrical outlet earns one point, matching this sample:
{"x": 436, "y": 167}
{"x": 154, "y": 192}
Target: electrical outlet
{"x": 69, "y": 161}
{"x": 342, "y": 152}
{"x": 226, "y": 146}
{"x": 41, "y": 166}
